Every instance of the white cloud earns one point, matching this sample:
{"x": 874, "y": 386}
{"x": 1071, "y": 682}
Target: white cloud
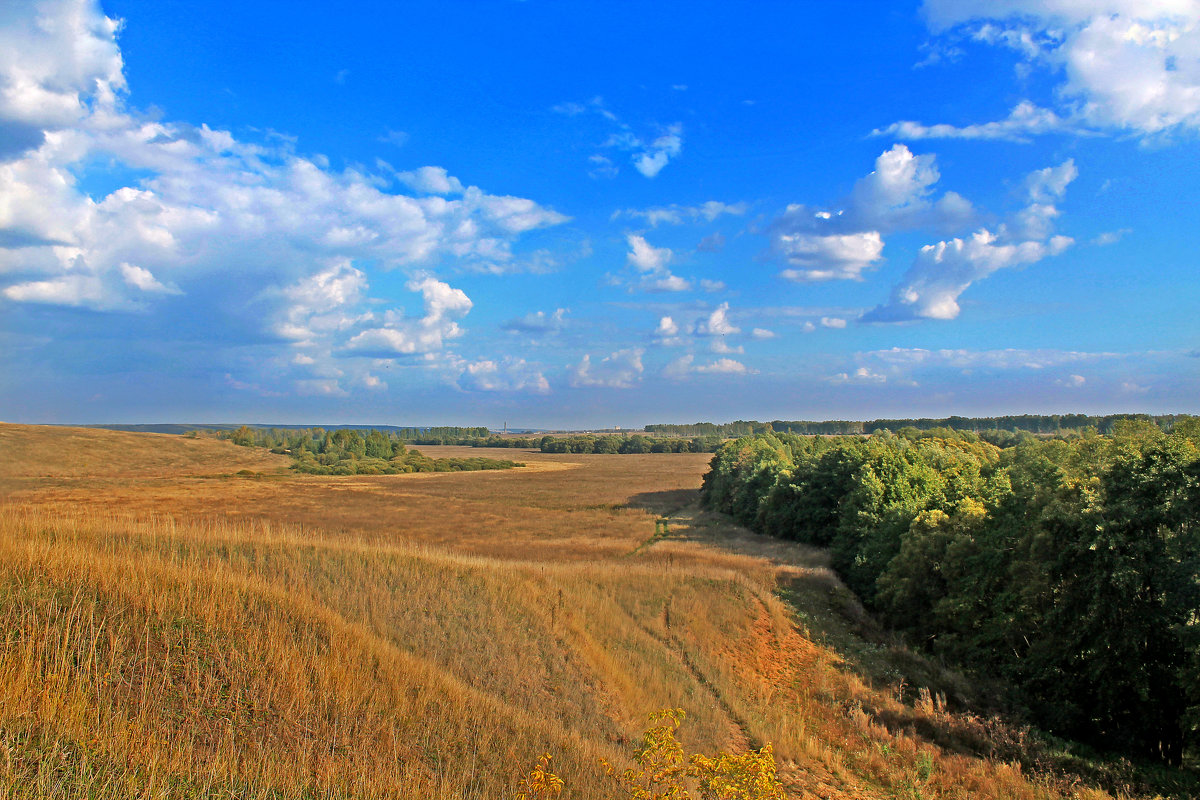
{"x": 55, "y": 58}
{"x": 722, "y": 347}
{"x": 860, "y": 375}
{"x": 675, "y": 214}
{"x": 717, "y": 323}
{"x": 898, "y": 187}
{"x": 207, "y": 199}
{"x": 69, "y": 290}
{"x": 942, "y": 272}
{"x": 1125, "y": 65}
{"x": 1072, "y": 381}
{"x": 141, "y": 278}
{"x": 763, "y": 333}
{"x": 821, "y": 245}
{"x": 723, "y": 366}
{"x": 619, "y": 370}
{"x": 538, "y": 322}
{"x": 833, "y": 322}
{"x": 602, "y": 167}
{"x": 667, "y": 327}
{"x": 829, "y": 257}
{"x": 667, "y": 283}
{"x": 652, "y": 262}
{"x": 685, "y": 366}
{"x": 680, "y": 368}
{"x": 321, "y": 387}
{"x": 1008, "y": 358}
{"x": 645, "y": 257}
{"x": 320, "y": 304}
{"x": 401, "y": 335}
{"x": 1111, "y": 237}
{"x": 1024, "y": 120}
{"x": 711, "y": 285}
{"x": 433, "y": 180}
{"x": 650, "y": 159}
{"x": 508, "y": 375}
{"x": 1050, "y": 184}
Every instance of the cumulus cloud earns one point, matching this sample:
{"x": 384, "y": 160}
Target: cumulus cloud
{"x": 821, "y": 245}
{"x": 941, "y": 272}
{"x": 143, "y": 279}
{"x": 651, "y": 264}
{"x": 56, "y": 59}
{"x": 507, "y": 375}
{"x": 432, "y": 180}
{"x": 685, "y": 366}
{"x": 833, "y": 322}
{"x": 717, "y": 323}
{"x": 716, "y": 328}
{"x": 723, "y": 366}
{"x": 206, "y": 199}
{"x": 645, "y": 257}
{"x": 402, "y": 335}
{"x": 619, "y": 370}
{"x": 321, "y": 303}
{"x": 1125, "y": 65}
{"x": 824, "y": 257}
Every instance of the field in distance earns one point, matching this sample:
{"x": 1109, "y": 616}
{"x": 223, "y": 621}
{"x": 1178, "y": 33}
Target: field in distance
{"x": 187, "y": 618}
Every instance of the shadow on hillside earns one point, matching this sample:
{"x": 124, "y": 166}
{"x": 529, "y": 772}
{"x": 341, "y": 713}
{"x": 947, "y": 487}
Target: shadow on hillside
{"x": 664, "y": 503}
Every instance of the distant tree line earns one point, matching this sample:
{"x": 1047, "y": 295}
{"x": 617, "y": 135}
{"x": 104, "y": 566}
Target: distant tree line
{"x": 636, "y": 443}
{"x": 448, "y": 434}
{"x": 1069, "y": 568}
{"x": 347, "y": 451}
{"x": 1029, "y": 423}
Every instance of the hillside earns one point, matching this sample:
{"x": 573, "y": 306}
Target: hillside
{"x": 176, "y": 629}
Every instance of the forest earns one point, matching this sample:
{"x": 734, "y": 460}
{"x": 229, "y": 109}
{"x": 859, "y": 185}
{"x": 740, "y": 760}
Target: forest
{"x": 1058, "y": 424}
{"x": 1064, "y": 569}
{"x": 347, "y": 451}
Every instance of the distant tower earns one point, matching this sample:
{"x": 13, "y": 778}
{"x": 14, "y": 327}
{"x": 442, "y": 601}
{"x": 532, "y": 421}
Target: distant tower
{"x": 506, "y": 426}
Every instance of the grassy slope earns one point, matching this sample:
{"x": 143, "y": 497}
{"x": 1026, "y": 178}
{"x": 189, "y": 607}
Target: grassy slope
{"x": 172, "y": 630}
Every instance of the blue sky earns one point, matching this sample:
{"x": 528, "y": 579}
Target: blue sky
{"x": 595, "y": 214}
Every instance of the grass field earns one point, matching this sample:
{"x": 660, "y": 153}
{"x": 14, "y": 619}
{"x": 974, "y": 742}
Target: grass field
{"x": 186, "y": 618}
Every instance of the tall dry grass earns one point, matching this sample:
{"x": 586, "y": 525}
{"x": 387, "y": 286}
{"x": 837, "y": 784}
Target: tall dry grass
{"x": 178, "y": 632}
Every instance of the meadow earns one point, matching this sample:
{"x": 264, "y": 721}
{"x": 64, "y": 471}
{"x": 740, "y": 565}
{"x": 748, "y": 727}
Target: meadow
{"x": 189, "y": 618}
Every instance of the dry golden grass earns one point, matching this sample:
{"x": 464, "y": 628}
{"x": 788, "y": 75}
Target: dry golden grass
{"x": 171, "y": 629}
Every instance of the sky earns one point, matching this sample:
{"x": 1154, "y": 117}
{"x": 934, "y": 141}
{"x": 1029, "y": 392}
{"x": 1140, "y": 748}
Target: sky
{"x": 594, "y": 214}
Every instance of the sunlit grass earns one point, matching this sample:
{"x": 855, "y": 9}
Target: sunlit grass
{"x": 171, "y": 634}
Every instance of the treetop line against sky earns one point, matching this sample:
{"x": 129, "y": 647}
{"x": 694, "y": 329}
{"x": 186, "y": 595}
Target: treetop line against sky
{"x": 593, "y": 214}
